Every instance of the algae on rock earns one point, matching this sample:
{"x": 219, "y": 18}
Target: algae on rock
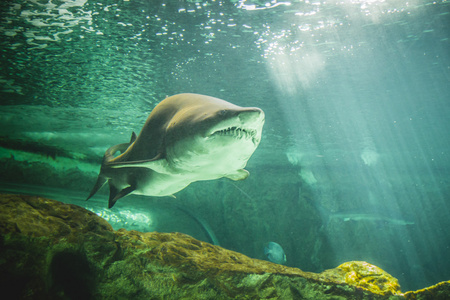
{"x": 53, "y": 250}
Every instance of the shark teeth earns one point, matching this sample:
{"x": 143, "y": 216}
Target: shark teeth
{"x": 236, "y": 132}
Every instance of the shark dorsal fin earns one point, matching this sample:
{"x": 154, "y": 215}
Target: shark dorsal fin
{"x": 133, "y": 137}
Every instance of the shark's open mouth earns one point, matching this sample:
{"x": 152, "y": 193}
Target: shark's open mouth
{"x": 236, "y": 132}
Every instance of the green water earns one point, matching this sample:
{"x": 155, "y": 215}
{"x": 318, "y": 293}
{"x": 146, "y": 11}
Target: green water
{"x": 354, "y": 162}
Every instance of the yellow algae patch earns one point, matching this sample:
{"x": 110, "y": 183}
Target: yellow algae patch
{"x": 369, "y": 277}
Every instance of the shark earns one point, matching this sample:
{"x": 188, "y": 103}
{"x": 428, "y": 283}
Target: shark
{"x": 370, "y": 217}
{"x": 186, "y": 138}
{"x": 373, "y": 215}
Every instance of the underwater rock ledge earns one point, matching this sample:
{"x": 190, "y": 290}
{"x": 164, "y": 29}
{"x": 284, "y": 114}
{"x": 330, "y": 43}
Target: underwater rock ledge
{"x": 52, "y": 250}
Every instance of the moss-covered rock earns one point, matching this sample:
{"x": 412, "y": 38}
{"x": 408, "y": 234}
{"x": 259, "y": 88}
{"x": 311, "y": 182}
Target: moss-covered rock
{"x": 51, "y": 250}
{"x": 440, "y": 291}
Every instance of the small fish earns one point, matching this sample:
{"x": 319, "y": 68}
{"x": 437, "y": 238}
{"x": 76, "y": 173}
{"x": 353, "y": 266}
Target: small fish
{"x": 275, "y": 253}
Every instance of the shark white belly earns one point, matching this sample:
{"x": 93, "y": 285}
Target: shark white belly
{"x": 186, "y": 138}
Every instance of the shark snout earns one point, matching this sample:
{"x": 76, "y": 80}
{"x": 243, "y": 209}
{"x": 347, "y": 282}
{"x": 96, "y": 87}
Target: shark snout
{"x": 252, "y": 117}
{"x": 242, "y": 123}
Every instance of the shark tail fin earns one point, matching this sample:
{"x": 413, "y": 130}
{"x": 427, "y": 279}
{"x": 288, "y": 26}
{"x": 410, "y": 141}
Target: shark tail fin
{"x": 101, "y": 180}
{"x": 115, "y": 194}
{"x": 109, "y": 154}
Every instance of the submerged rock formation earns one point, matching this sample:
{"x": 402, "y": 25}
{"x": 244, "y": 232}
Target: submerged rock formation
{"x": 51, "y": 250}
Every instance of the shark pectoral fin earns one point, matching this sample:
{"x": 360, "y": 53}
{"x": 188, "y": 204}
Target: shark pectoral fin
{"x": 238, "y": 175}
{"x": 115, "y": 195}
{"x": 101, "y": 180}
{"x": 159, "y": 165}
